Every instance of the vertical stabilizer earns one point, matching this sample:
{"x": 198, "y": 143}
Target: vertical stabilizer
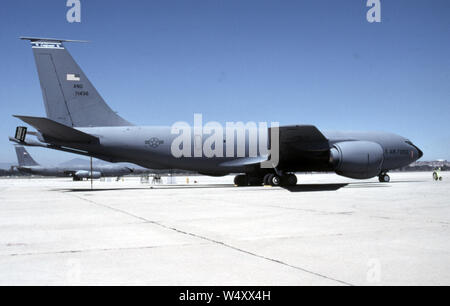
{"x": 24, "y": 158}
{"x": 69, "y": 96}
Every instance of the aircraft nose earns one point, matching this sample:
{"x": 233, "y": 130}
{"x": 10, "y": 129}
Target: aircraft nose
{"x": 419, "y": 153}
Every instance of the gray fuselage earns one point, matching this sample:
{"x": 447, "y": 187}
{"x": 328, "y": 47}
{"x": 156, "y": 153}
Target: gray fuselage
{"x": 133, "y": 144}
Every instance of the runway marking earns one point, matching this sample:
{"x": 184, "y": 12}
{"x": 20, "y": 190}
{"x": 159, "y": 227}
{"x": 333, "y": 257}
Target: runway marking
{"x": 216, "y": 242}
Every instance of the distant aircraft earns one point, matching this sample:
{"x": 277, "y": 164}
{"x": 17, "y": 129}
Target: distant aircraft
{"x": 28, "y": 165}
{"x": 79, "y": 121}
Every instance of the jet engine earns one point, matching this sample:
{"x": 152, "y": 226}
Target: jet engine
{"x": 357, "y": 159}
{"x": 82, "y": 174}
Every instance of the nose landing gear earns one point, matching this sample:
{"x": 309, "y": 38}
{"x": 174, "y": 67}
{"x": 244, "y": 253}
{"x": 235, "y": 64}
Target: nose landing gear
{"x": 384, "y": 178}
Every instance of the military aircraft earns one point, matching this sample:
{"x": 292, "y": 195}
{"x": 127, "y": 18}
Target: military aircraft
{"x": 28, "y": 165}
{"x": 79, "y": 121}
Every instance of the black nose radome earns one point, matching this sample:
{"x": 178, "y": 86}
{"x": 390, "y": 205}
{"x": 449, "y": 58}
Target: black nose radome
{"x": 419, "y": 151}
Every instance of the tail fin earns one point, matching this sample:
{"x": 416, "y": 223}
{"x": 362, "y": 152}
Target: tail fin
{"x": 24, "y": 158}
{"x": 69, "y": 96}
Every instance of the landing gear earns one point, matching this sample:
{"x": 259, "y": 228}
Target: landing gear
{"x": 284, "y": 180}
{"x": 241, "y": 180}
{"x": 247, "y": 180}
{"x": 270, "y": 179}
{"x": 255, "y": 180}
{"x": 266, "y": 180}
{"x": 384, "y": 178}
{"x": 274, "y": 180}
{"x": 291, "y": 180}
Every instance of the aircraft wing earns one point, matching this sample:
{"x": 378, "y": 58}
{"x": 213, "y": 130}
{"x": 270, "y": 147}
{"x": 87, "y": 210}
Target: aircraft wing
{"x": 58, "y": 131}
{"x": 308, "y": 137}
{"x": 295, "y": 141}
{"x": 245, "y": 161}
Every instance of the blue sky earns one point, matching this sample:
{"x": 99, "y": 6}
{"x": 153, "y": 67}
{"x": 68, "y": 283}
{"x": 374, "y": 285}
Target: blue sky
{"x": 305, "y": 62}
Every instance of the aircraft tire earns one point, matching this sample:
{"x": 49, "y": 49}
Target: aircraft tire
{"x": 275, "y": 180}
{"x": 291, "y": 180}
{"x": 255, "y": 180}
{"x": 384, "y": 178}
{"x": 266, "y": 180}
{"x": 241, "y": 180}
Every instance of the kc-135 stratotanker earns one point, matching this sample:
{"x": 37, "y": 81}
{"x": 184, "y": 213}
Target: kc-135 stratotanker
{"x": 79, "y": 121}
{"x": 27, "y": 164}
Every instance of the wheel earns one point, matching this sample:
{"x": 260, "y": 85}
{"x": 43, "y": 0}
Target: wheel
{"x": 291, "y": 180}
{"x": 275, "y": 180}
{"x": 384, "y": 178}
{"x": 266, "y": 180}
{"x": 435, "y": 176}
{"x": 241, "y": 180}
{"x": 255, "y": 180}
{"x": 440, "y": 178}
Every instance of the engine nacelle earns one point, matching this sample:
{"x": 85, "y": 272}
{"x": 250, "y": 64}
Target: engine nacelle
{"x": 357, "y": 159}
{"x": 82, "y": 174}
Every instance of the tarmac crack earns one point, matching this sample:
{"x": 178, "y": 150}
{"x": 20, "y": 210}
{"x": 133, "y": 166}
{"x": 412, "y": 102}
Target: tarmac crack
{"x": 221, "y": 243}
{"x": 93, "y": 250}
{"x": 409, "y": 219}
{"x": 320, "y": 212}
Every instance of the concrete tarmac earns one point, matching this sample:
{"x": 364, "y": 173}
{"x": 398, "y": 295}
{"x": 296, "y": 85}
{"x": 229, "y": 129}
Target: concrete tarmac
{"x": 328, "y": 230}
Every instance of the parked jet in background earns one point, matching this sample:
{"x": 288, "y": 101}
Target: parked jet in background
{"x": 28, "y": 165}
{"x": 79, "y": 121}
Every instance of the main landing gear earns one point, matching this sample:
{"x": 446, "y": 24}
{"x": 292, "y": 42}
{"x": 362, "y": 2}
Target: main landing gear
{"x": 384, "y": 178}
{"x": 273, "y": 179}
{"x": 270, "y": 179}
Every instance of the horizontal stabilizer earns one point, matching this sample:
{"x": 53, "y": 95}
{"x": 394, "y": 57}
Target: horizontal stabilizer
{"x": 51, "y": 39}
{"x": 58, "y": 131}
